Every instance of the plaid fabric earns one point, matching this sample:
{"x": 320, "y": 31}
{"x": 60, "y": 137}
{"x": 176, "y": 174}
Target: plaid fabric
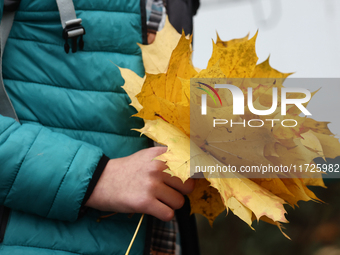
{"x": 165, "y": 238}
{"x": 155, "y": 15}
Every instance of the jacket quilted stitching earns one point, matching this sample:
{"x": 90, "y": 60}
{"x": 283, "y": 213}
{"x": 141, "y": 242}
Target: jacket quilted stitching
{"x": 72, "y": 109}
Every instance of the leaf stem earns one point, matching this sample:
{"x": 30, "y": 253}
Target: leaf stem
{"x": 134, "y": 235}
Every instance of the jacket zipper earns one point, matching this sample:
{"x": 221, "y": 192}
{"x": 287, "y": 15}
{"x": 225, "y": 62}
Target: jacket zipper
{"x": 4, "y": 216}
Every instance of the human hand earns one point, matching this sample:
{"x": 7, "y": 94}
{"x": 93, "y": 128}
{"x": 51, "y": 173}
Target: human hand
{"x": 137, "y": 184}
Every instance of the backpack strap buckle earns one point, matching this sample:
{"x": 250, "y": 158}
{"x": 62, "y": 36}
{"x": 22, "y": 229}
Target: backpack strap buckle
{"x": 72, "y": 30}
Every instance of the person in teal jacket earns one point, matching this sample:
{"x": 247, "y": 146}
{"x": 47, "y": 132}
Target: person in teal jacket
{"x": 73, "y": 157}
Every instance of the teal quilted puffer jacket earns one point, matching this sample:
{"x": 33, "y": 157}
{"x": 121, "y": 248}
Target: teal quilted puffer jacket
{"x": 72, "y": 111}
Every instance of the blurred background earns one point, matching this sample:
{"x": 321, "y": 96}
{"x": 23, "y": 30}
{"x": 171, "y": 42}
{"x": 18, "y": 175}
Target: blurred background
{"x": 314, "y": 229}
{"x": 301, "y": 36}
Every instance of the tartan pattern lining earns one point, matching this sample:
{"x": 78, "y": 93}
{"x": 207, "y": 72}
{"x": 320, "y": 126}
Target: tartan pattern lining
{"x": 163, "y": 240}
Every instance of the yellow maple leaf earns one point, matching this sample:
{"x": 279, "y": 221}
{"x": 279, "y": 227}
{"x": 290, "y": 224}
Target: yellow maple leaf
{"x": 167, "y": 105}
{"x": 236, "y": 61}
{"x": 239, "y": 147}
{"x": 206, "y": 200}
{"x": 133, "y": 85}
{"x": 232, "y": 42}
{"x": 317, "y": 126}
{"x": 251, "y": 196}
{"x": 266, "y": 74}
{"x": 163, "y": 94}
{"x": 330, "y": 144}
{"x": 177, "y": 156}
{"x": 156, "y": 55}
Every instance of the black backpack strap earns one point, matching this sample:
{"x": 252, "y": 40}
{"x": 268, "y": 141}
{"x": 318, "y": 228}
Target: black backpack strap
{"x": 6, "y": 107}
{"x": 188, "y": 230}
{"x": 11, "y": 5}
{"x": 181, "y": 14}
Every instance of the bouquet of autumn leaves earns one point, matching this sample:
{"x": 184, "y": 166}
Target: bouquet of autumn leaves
{"x": 162, "y": 99}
